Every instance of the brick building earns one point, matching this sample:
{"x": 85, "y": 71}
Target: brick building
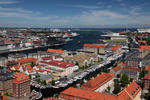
{"x": 146, "y": 84}
{"x": 6, "y": 79}
{"x": 21, "y": 85}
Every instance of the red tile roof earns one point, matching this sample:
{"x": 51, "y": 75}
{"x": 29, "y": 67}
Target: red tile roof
{"x": 47, "y": 58}
{"x": 95, "y": 45}
{"x": 147, "y": 76}
{"x": 71, "y": 93}
{"x": 115, "y": 48}
{"x": 147, "y": 68}
{"x": 58, "y": 64}
{"x": 139, "y": 41}
{"x": 133, "y": 69}
{"x": 144, "y": 47}
{"x": 122, "y": 64}
{"x": 27, "y": 60}
{"x": 55, "y": 51}
{"x": 130, "y": 91}
{"x": 20, "y": 78}
{"x": 98, "y": 81}
{"x": 116, "y": 69}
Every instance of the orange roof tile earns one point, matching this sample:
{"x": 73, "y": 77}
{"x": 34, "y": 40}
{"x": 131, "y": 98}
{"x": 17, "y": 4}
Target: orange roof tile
{"x": 29, "y": 41}
{"x": 27, "y": 60}
{"x": 95, "y": 45}
{"x": 98, "y": 81}
{"x": 147, "y": 68}
{"x": 147, "y": 76}
{"x": 131, "y": 90}
{"x": 140, "y": 41}
{"x": 20, "y": 78}
{"x": 70, "y": 93}
{"x": 133, "y": 69}
{"x": 116, "y": 69}
{"x": 115, "y": 48}
{"x": 144, "y": 47}
{"x": 55, "y": 51}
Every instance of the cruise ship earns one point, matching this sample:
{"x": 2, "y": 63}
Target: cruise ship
{"x": 144, "y": 30}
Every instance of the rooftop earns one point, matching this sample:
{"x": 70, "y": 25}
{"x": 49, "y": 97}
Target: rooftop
{"x": 5, "y": 75}
{"x": 55, "y": 51}
{"x": 130, "y": 90}
{"x": 115, "y": 48}
{"x": 145, "y": 47}
{"x": 147, "y": 68}
{"x": 116, "y": 69}
{"x": 46, "y": 77}
{"x": 26, "y": 60}
{"x": 133, "y": 69}
{"x": 20, "y": 78}
{"x": 87, "y": 94}
{"x": 58, "y": 64}
{"x": 98, "y": 81}
{"x": 95, "y": 45}
{"x": 128, "y": 93}
{"x": 147, "y": 76}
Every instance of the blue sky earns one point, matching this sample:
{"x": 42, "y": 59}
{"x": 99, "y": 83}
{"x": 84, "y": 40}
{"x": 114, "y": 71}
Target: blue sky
{"x": 73, "y": 13}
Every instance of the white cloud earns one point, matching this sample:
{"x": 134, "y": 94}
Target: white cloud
{"x": 135, "y": 10}
{"x": 7, "y": 2}
{"x": 82, "y": 6}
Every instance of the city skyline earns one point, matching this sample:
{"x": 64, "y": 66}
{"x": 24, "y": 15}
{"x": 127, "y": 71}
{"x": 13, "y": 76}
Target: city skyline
{"x": 70, "y": 13}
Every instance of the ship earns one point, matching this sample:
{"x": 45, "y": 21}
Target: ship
{"x": 144, "y": 30}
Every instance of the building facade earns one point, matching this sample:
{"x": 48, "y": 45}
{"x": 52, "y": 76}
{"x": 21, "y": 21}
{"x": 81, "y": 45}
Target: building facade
{"x": 21, "y": 85}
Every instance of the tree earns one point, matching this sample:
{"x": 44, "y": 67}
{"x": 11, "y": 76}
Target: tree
{"x": 117, "y": 88}
{"x": 118, "y": 75}
{"x": 124, "y": 80}
{"x": 32, "y": 64}
{"x": 143, "y": 73}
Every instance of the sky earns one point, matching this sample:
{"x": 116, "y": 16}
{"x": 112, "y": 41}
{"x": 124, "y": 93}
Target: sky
{"x": 74, "y": 13}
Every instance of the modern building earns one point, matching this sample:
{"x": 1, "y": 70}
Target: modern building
{"x": 100, "y": 83}
{"x": 6, "y": 80}
{"x": 21, "y": 85}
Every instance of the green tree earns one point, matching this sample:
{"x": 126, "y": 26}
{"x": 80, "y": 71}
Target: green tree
{"x": 117, "y": 88}
{"x": 32, "y": 64}
{"x": 147, "y": 95}
{"x": 124, "y": 80}
{"x": 142, "y": 73}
